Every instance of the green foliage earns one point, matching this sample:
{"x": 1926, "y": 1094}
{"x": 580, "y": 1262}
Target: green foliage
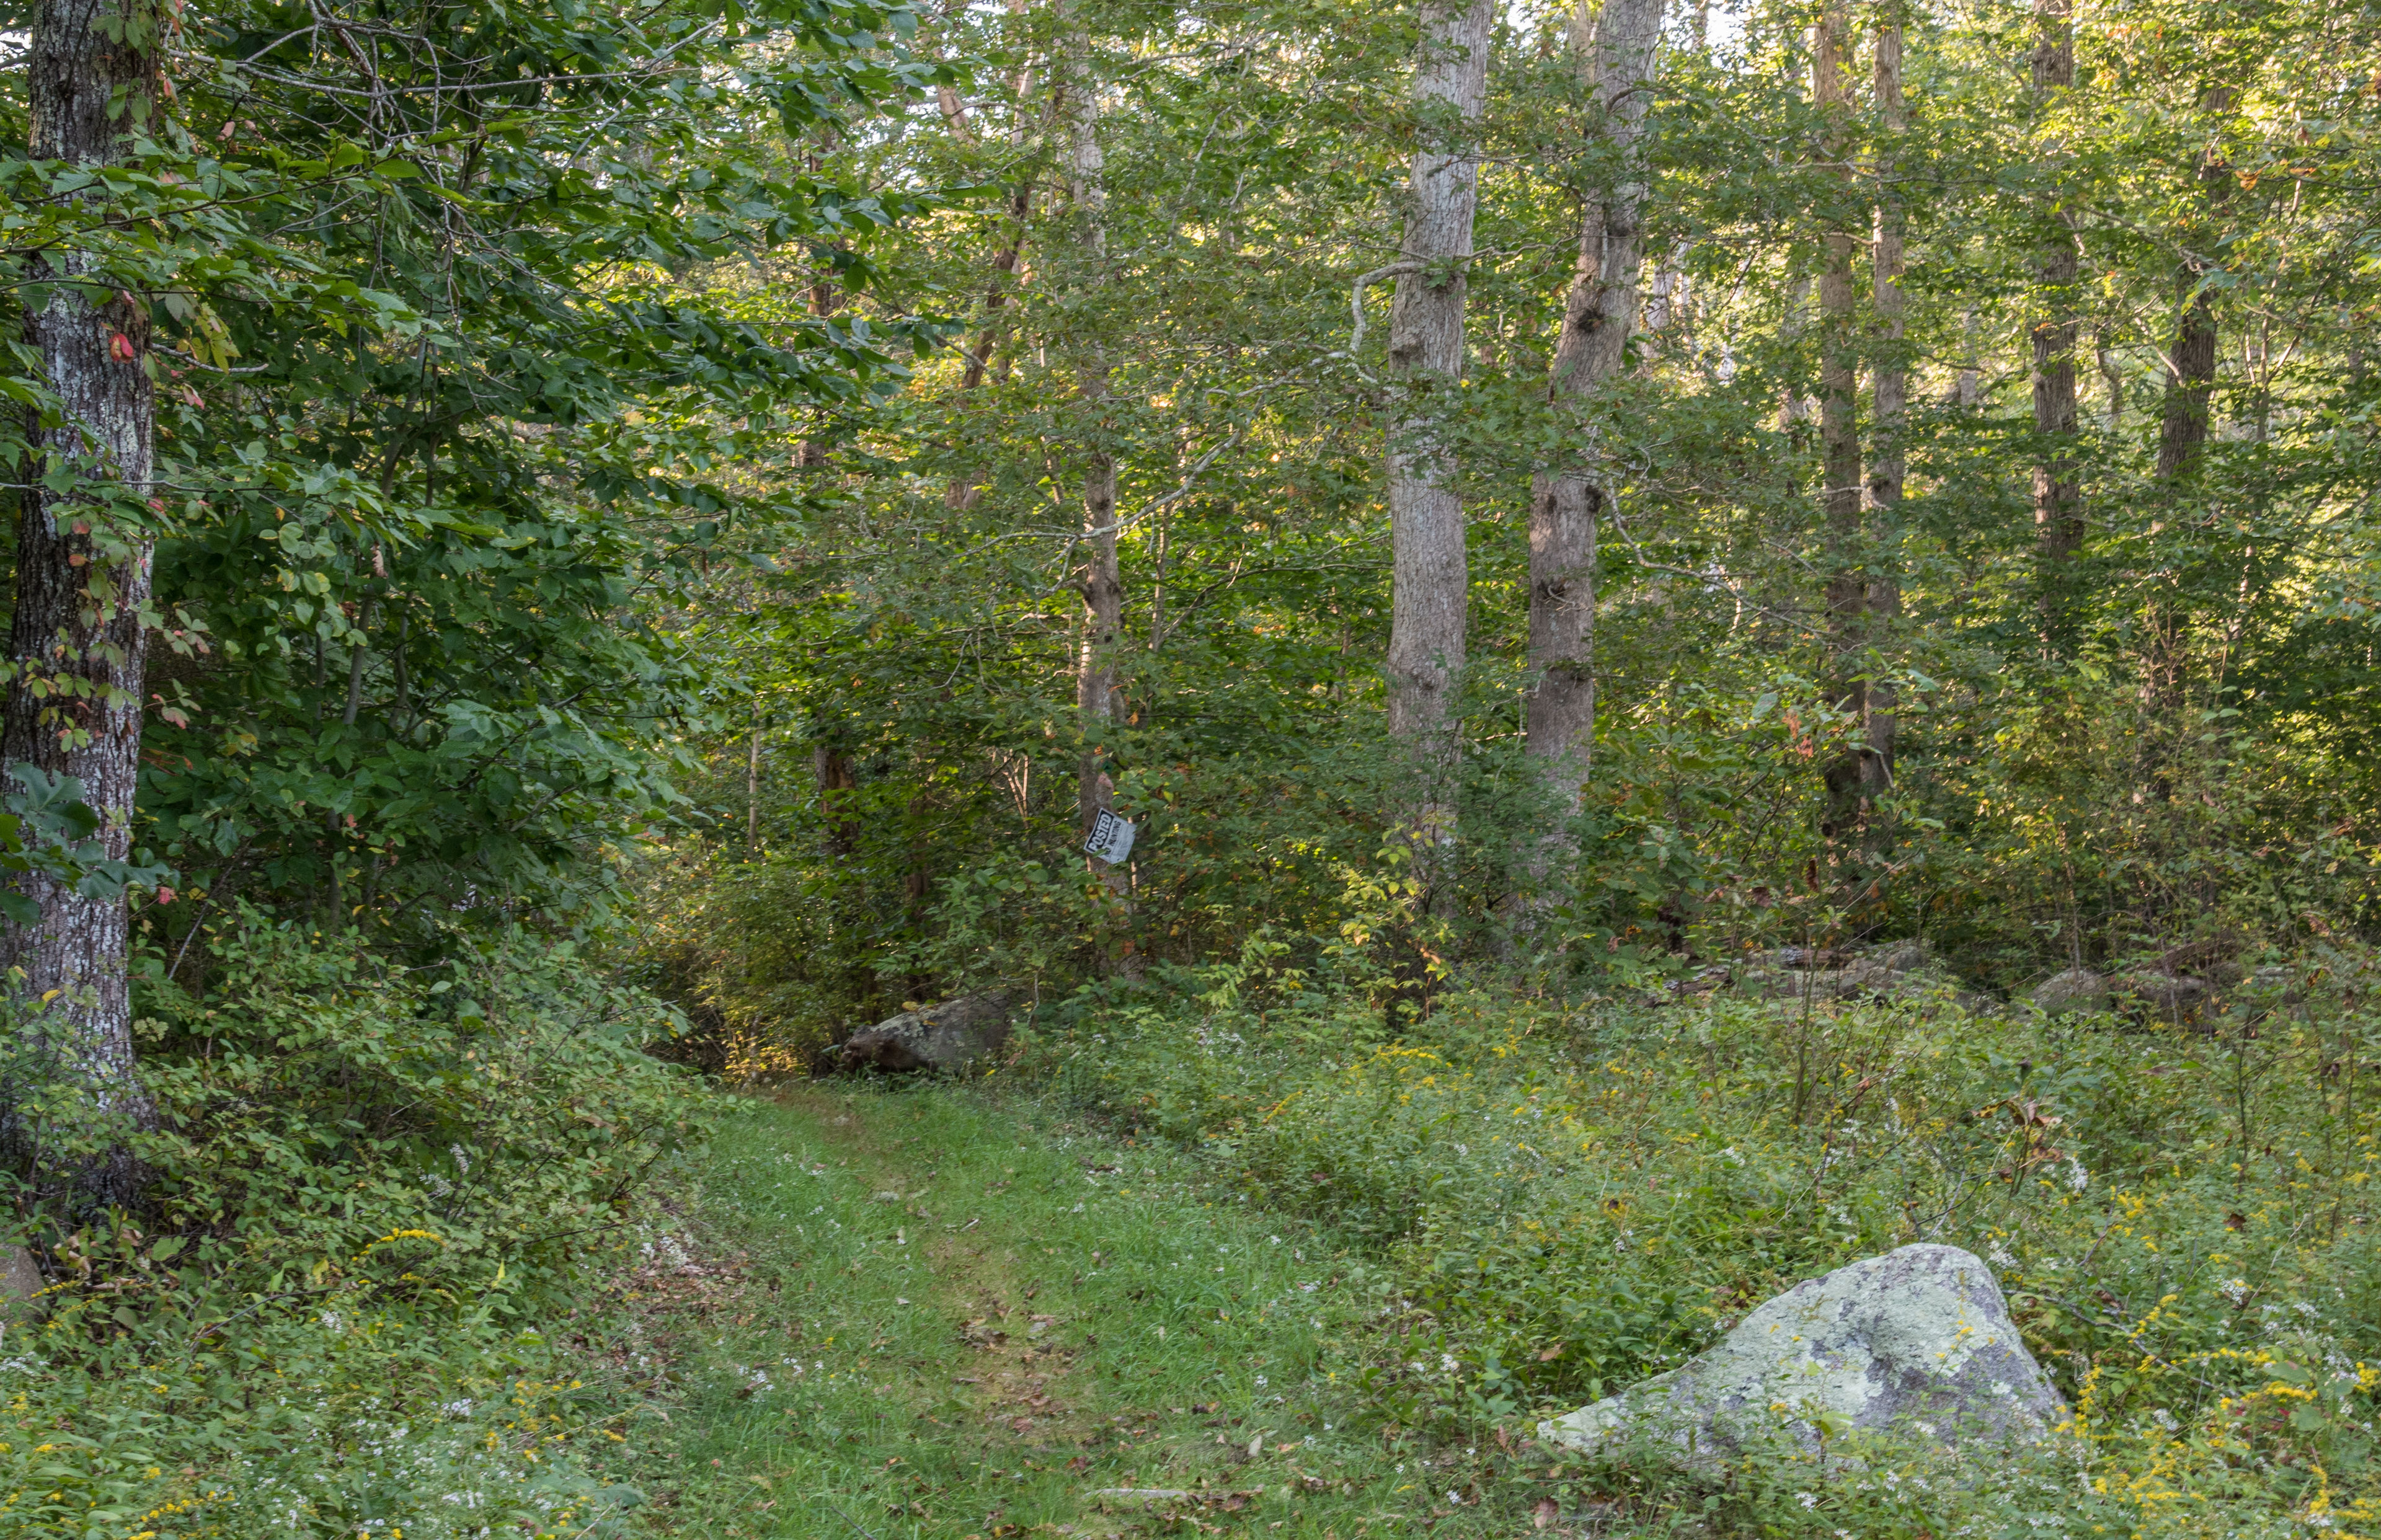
{"x": 379, "y": 1190}
{"x": 1573, "y": 1198}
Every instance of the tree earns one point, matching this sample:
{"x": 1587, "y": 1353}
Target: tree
{"x": 84, "y": 545}
{"x": 1101, "y": 581}
{"x": 1617, "y": 44}
{"x": 2058, "y": 489}
{"x": 1430, "y": 585}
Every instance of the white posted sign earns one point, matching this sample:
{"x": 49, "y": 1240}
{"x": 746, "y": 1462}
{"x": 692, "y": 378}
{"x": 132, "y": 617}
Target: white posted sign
{"x": 1111, "y": 839}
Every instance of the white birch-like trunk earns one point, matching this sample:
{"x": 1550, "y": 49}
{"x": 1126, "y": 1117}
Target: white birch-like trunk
{"x": 1430, "y": 583}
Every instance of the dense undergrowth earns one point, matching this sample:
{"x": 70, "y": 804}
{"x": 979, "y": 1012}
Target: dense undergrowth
{"x": 384, "y": 1197}
{"x": 1575, "y": 1197}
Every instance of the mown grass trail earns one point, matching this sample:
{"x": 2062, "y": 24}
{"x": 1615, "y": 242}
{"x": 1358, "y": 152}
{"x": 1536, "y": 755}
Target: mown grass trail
{"x": 952, "y": 1318}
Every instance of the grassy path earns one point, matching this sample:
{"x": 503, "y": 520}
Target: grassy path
{"x": 950, "y": 1319}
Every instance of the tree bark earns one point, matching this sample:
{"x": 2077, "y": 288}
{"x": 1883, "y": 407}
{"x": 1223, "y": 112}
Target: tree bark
{"x": 1887, "y": 464}
{"x": 2182, "y": 434}
{"x": 2058, "y": 491}
{"x": 1430, "y": 580}
{"x": 1616, "y": 52}
{"x": 1840, "y": 491}
{"x": 836, "y": 783}
{"x": 1101, "y": 579}
{"x": 78, "y": 640}
{"x": 966, "y": 487}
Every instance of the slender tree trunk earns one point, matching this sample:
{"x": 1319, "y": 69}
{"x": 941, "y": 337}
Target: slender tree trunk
{"x": 2182, "y": 433}
{"x": 1430, "y": 580}
{"x": 1840, "y": 498}
{"x": 1887, "y": 466}
{"x": 1616, "y": 50}
{"x": 1101, "y": 580}
{"x": 2058, "y": 491}
{"x": 836, "y": 785}
{"x": 78, "y": 640}
{"x": 752, "y": 794}
{"x": 1970, "y": 389}
{"x": 966, "y": 487}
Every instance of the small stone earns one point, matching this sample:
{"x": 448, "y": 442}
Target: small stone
{"x": 1918, "y": 1338}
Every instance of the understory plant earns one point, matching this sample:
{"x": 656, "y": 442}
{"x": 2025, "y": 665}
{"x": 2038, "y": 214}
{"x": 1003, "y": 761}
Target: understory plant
{"x": 1564, "y": 1199}
{"x": 383, "y": 1192}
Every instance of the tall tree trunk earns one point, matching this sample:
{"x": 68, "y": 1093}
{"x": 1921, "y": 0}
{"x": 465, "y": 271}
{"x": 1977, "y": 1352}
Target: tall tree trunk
{"x": 1430, "y": 581}
{"x": 1101, "y": 580}
{"x": 2058, "y": 491}
{"x": 752, "y": 794}
{"x": 1840, "y": 498}
{"x": 2182, "y": 434}
{"x": 967, "y": 487}
{"x": 1617, "y": 50}
{"x": 1887, "y": 464}
{"x": 78, "y": 638}
{"x": 836, "y": 783}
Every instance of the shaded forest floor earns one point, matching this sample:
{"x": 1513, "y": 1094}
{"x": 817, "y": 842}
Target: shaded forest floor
{"x": 930, "y": 1312}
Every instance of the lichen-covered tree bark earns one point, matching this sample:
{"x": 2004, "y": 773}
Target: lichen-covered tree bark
{"x": 1430, "y": 578}
{"x": 1617, "y": 45}
{"x": 76, "y": 644}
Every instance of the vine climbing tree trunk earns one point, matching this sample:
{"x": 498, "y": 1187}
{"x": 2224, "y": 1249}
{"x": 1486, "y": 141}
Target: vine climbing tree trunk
{"x": 1430, "y": 580}
{"x": 77, "y": 642}
{"x": 1617, "y": 45}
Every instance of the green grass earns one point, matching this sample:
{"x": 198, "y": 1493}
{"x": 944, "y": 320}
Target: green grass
{"x": 1040, "y": 1315}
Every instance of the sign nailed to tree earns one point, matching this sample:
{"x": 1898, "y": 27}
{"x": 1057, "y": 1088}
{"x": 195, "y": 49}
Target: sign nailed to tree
{"x": 1111, "y": 839}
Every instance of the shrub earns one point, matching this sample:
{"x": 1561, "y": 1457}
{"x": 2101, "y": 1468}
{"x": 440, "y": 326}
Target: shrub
{"x": 1563, "y": 1202}
{"x": 379, "y": 1190}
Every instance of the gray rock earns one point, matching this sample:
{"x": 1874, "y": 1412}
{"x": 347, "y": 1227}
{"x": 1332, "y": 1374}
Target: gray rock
{"x": 1914, "y": 1343}
{"x": 2172, "y": 995}
{"x": 1898, "y": 957}
{"x": 947, "y": 1036}
{"x": 20, "y": 1276}
{"x": 2074, "y": 991}
{"x": 20, "y": 1280}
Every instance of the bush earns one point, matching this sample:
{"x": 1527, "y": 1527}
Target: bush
{"x": 1567, "y": 1201}
{"x": 380, "y": 1189}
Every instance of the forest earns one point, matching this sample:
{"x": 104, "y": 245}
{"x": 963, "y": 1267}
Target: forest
{"x": 1566, "y": 663}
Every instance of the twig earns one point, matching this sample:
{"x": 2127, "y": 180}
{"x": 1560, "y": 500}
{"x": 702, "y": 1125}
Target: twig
{"x": 847, "y": 1517}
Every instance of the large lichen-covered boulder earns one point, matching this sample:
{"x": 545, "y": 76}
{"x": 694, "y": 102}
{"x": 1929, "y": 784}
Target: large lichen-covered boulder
{"x": 1916, "y": 1344}
{"x": 947, "y": 1036}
